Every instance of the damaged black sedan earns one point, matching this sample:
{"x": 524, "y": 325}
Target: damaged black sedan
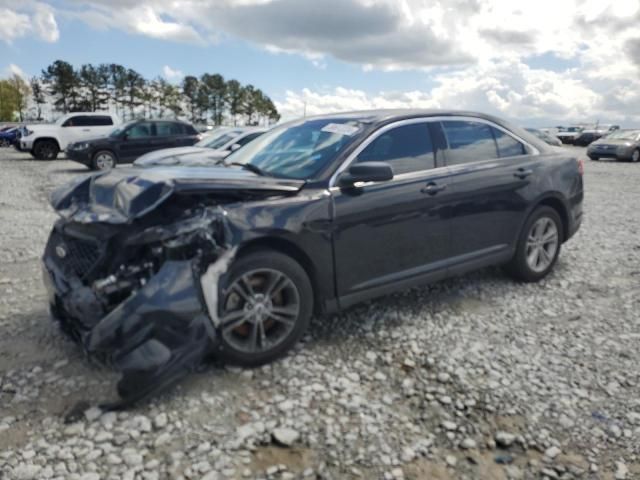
{"x": 152, "y": 269}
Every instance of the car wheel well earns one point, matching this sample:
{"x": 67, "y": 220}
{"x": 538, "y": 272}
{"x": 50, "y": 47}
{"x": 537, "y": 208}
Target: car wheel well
{"x": 49, "y": 139}
{"x": 558, "y": 206}
{"x": 290, "y": 249}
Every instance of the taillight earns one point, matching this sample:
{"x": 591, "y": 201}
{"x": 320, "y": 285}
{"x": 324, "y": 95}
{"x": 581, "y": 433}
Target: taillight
{"x": 581, "y": 166}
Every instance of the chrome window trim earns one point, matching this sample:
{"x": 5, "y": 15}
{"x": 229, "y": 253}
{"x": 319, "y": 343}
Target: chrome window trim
{"x": 410, "y": 121}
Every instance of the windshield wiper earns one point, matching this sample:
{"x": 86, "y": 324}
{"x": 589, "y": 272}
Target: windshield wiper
{"x": 251, "y": 168}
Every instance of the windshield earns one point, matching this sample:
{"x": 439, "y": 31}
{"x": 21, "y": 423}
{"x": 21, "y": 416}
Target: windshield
{"x": 218, "y": 140}
{"x": 624, "y": 134}
{"x": 300, "y": 150}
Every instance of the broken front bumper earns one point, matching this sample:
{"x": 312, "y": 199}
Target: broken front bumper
{"x": 154, "y": 337}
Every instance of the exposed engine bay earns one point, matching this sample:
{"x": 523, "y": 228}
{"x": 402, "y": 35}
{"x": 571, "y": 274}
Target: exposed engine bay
{"x": 133, "y": 269}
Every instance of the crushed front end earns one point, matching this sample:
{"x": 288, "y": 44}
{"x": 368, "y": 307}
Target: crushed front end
{"x": 130, "y": 291}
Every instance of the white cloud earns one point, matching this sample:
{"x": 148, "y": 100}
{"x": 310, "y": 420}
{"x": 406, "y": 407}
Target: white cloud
{"x": 171, "y": 74}
{"x": 14, "y": 69}
{"x": 13, "y": 25}
{"x": 508, "y": 89}
{"x": 30, "y": 18}
{"x": 476, "y": 50}
{"x": 44, "y": 23}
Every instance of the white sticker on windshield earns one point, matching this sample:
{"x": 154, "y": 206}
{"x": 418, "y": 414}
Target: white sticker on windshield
{"x": 340, "y": 128}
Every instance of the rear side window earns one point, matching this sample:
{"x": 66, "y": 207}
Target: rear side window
{"x": 469, "y": 142}
{"x": 169, "y": 128}
{"x": 407, "y": 149}
{"x": 507, "y": 145}
{"x": 100, "y": 120}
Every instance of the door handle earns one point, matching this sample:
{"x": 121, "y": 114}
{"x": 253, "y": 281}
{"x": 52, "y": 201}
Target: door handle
{"x": 432, "y": 188}
{"x": 86, "y": 130}
{"x": 522, "y": 173}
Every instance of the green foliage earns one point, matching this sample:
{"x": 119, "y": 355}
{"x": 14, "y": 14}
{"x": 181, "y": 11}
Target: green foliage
{"x": 14, "y": 93}
{"x": 207, "y": 99}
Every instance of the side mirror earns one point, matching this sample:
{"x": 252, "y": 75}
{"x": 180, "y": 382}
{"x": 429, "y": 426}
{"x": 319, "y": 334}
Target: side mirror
{"x": 366, "y": 172}
{"x": 125, "y": 136}
{"x": 234, "y": 147}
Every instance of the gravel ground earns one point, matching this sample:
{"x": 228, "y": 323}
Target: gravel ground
{"x": 475, "y": 377}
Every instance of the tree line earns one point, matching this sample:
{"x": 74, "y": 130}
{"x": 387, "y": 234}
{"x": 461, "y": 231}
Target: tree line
{"x": 209, "y": 98}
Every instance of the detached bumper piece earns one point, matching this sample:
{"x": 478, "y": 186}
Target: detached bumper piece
{"x": 158, "y": 333}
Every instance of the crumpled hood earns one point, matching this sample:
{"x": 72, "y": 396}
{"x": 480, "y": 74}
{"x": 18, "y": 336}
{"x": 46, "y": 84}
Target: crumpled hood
{"x": 124, "y": 194}
{"x": 186, "y": 156}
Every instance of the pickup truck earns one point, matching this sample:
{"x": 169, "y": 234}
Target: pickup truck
{"x": 45, "y": 141}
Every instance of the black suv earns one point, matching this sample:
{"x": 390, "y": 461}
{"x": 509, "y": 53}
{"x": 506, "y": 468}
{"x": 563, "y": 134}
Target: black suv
{"x": 128, "y": 142}
{"x": 153, "y": 268}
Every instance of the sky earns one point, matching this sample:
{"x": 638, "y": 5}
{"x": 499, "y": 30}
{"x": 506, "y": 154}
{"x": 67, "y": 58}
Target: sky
{"x": 540, "y": 63}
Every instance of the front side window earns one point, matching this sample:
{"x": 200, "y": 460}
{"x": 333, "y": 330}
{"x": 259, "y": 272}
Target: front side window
{"x": 407, "y": 149}
{"x": 469, "y": 142}
{"x": 140, "y": 130}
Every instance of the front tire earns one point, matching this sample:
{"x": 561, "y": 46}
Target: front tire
{"x": 538, "y": 246}
{"x": 46, "y": 150}
{"x": 265, "y": 308}
{"x": 635, "y": 156}
{"x": 103, "y": 160}
{"x": 594, "y": 158}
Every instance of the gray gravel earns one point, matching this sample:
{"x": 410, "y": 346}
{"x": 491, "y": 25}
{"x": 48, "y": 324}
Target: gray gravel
{"x": 475, "y": 377}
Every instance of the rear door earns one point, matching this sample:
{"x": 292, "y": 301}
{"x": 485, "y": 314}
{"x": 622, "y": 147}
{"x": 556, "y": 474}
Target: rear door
{"x": 174, "y": 134}
{"x": 99, "y": 125}
{"x": 388, "y": 232}
{"x": 493, "y": 175}
{"x": 138, "y": 140}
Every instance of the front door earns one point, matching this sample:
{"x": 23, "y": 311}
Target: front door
{"x": 396, "y": 230}
{"x": 137, "y": 141}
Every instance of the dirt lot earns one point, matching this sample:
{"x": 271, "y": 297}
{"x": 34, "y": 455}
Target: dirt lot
{"x": 475, "y": 377}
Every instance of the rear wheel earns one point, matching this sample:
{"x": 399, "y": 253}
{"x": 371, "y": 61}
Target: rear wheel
{"x": 103, "y": 160}
{"x": 538, "y": 246}
{"x": 46, "y": 150}
{"x": 594, "y": 158}
{"x": 266, "y": 307}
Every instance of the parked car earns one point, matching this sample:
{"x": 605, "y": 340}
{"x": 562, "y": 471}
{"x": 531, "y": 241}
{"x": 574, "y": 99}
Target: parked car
{"x": 619, "y": 144}
{"x": 154, "y": 269}
{"x": 569, "y": 134}
{"x": 213, "y": 147}
{"x": 545, "y": 137}
{"x": 45, "y": 141}
{"x": 128, "y": 142}
{"x": 588, "y": 136}
{"x": 8, "y": 136}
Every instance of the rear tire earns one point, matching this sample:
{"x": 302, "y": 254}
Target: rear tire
{"x": 538, "y": 246}
{"x": 265, "y": 308}
{"x": 46, "y": 150}
{"x": 594, "y": 158}
{"x": 103, "y": 160}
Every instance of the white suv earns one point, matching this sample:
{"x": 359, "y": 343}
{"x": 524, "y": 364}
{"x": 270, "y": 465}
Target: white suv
{"x": 45, "y": 141}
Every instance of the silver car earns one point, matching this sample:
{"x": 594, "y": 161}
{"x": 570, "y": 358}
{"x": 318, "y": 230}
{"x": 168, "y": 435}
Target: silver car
{"x": 212, "y": 148}
{"x": 620, "y": 145}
